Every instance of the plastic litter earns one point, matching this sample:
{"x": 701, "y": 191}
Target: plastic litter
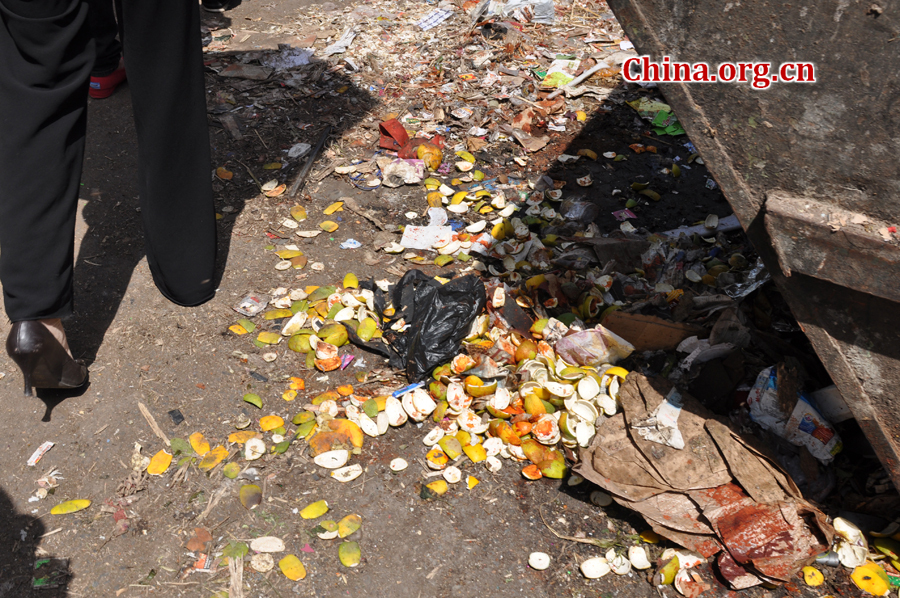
{"x": 803, "y": 426}
{"x": 342, "y": 44}
{"x": 439, "y": 317}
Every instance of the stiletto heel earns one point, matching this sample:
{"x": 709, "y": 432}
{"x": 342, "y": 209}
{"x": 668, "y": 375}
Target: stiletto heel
{"x": 44, "y": 362}
{"x": 27, "y": 364}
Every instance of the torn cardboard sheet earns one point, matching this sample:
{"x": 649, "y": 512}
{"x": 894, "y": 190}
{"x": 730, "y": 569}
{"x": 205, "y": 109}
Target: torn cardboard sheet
{"x": 662, "y": 425}
{"x": 715, "y": 495}
{"x": 650, "y": 333}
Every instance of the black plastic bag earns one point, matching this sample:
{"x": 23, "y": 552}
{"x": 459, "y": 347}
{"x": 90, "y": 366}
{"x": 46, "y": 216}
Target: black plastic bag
{"x": 439, "y": 317}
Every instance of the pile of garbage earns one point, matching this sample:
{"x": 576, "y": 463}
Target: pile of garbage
{"x": 625, "y": 357}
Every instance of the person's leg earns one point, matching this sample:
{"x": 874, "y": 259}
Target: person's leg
{"x": 46, "y": 60}
{"x": 105, "y": 31}
{"x": 161, "y": 42}
{"x": 109, "y": 68}
{"x": 47, "y": 57}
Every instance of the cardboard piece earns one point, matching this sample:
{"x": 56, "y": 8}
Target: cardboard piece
{"x": 716, "y": 494}
{"x": 650, "y": 333}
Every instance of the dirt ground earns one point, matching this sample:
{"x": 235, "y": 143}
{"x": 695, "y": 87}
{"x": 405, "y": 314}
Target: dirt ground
{"x": 184, "y": 364}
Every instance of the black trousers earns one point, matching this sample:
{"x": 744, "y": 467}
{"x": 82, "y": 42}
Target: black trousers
{"x": 46, "y": 56}
{"x": 104, "y": 30}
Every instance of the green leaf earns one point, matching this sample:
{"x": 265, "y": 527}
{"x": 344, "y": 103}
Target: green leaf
{"x": 349, "y": 554}
{"x": 236, "y": 550}
{"x": 253, "y": 399}
{"x": 181, "y": 446}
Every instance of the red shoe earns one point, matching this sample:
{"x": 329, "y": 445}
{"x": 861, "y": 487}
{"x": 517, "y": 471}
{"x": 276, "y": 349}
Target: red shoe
{"x": 103, "y": 87}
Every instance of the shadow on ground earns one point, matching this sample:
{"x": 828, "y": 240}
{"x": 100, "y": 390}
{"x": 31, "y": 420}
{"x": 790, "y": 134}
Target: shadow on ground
{"x": 20, "y": 562}
{"x": 269, "y": 119}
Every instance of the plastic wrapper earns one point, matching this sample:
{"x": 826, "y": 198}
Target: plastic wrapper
{"x": 753, "y": 279}
{"x": 582, "y": 211}
{"x": 804, "y": 426}
{"x": 439, "y": 316}
{"x": 593, "y": 347}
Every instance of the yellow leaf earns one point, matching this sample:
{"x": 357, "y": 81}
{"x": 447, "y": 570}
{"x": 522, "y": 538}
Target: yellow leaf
{"x": 159, "y": 463}
{"x": 242, "y": 436}
{"x": 813, "y": 577}
{"x": 335, "y": 207}
{"x": 328, "y": 226}
{"x": 298, "y": 213}
{"x": 251, "y": 496}
{"x": 270, "y": 422}
{"x": 287, "y": 254}
{"x": 213, "y": 458}
{"x": 289, "y": 395}
{"x": 269, "y": 338}
{"x": 70, "y": 506}
{"x": 871, "y": 578}
{"x": 617, "y": 371}
{"x": 276, "y": 314}
{"x": 349, "y": 554}
{"x": 238, "y": 329}
{"x": 651, "y": 537}
{"x": 315, "y": 510}
{"x": 475, "y": 452}
{"x": 198, "y": 443}
{"x": 438, "y": 487}
{"x": 292, "y": 568}
{"x": 348, "y": 525}
{"x": 272, "y": 166}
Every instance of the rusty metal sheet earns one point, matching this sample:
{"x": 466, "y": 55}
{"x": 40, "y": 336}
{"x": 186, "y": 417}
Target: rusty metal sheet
{"x": 833, "y": 141}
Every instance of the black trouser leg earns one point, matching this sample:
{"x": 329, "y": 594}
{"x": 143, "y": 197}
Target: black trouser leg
{"x": 105, "y": 30}
{"x": 45, "y": 60}
{"x": 161, "y": 40}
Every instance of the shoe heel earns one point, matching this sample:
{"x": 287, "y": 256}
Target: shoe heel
{"x": 27, "y": 376}
{"x": 27, "y": 362}
{"x": 43, "y": 361}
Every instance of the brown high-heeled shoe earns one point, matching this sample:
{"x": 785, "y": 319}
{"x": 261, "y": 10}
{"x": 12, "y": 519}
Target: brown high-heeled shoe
{"x": 44, "y": 362}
